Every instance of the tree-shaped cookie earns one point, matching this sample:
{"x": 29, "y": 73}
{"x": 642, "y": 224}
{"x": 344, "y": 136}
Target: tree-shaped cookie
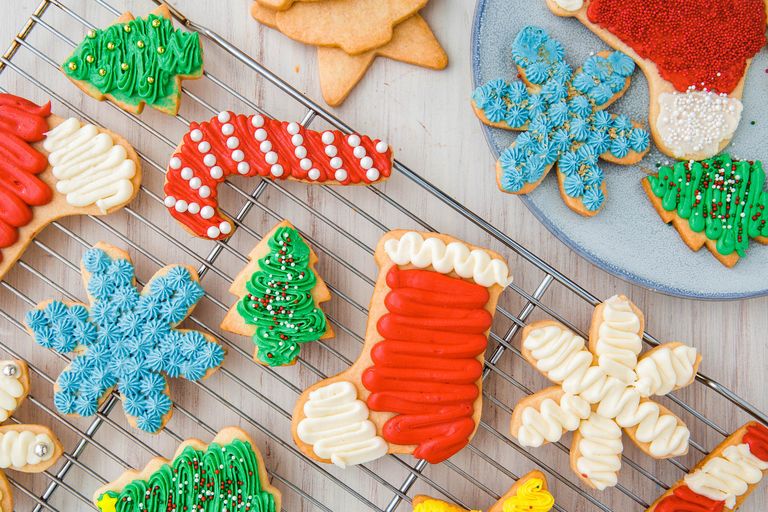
{"x": 226, "y": 475}
{"x": 563, "y": 118}
{"x": 528, "y": 494}
{"x": 695, "y": 55}
{"x": 125, "y": 339}
{"x": 26, "y": 448}
{"x": 602, "y": 389}
{"x": 137, "y": 61}
{"x": 51, "y": 168}
{"x": 279, "y": 295}
{"x": 718, "y": 202}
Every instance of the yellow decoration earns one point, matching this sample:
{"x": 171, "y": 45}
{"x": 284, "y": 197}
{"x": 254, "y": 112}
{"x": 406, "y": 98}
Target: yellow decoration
{"x": 127, "y": 27}
{"x": 102, "y": 72}
{"x": 107, "y": 503}
{"x": 432, "y": 505}
{"x": 160, "y": 49}
{"x": 124, "y": 66}
{"x": 89, "y": 59}
{"x": 72, "y": 66}
{"x": 140, "y": 43}
{"x": 156, "y": 23}
{"x": 110, "y": 45}
{"x": 530, "y": 497}
{"x": 150, "y": 80}
{"x": 91, "y": 34}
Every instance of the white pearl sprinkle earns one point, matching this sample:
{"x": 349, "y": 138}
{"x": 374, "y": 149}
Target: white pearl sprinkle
{"x": 195, "y": 183}
{"x": 181, "y": 206}
{"x": 271, "y": 158}
{"x": 228, "y": 129}
{"x": 305, "y": 164}
{"x": 216, "y": 172}
{"x": 359, "y": 152}
{"x": 204, "y": 191}
{"x": 233, "y": 142}
{"x": 209, "y": 159}
{"x": 225, "y": 227}
{"x": 238, "y": 155}
{"x": 340, "y": 175}
{"x": 297, "y": 140}
{"x": 213, "y": 232}
{"x": 194, "y": 208}
{"x": 243, "y": 167}
{"x": 372, "y": 174}
{"x": 353, "y": 140}
{"x": 169, "y": 201}
{"x": 313, "y": 174}
{"x": 382, "y": 147}
{"x": 265, "y": 146}
{"x": 300, "y": 152}
{"x": 204, "y": 146}
{"x": 196, "y": 135}
{"x": 175, "y": 162}
{"x": 276, "y": 170}
{"x": 293, "y": 128}
{"x": 366, "y": 162}
{"x": 257, "y": 121}
{"x": 327, "y": 137}
{"x": 260, "y": 134}
{"x": 186, "y": 173}
{"x": 206, "y": 212}
{"x": 336, "y": 162}
{"x": 224, "y": 116}
{"x": 331, "y": 151}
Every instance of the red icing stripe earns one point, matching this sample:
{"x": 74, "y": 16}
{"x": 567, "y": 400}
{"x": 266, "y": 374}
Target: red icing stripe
{"x": 426, "y": 369}
{"x": 757, "y": 439}
{"x": 700, "y": 43}
{"x": 684, "y": 499}
{"x": 21, "y": 123}
{"x": 236, "y": 144}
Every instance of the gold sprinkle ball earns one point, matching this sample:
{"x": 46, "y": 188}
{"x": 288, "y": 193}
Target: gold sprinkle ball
{"x": 72, "y": 66}
{"x": 124, "y": 66}
{"x": 140, "y": 43}
{"x": 102, "y": 72}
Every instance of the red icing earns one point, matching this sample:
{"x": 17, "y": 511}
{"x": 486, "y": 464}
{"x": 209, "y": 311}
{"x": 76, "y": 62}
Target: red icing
{"x": 21, "y": 123}
{"x": 281, "y": 143}
{"x": 757, "y": 439}
{"x": 425, "y": 370}
{"x": 700, "y": 43}
{"x": 684, "y": 499}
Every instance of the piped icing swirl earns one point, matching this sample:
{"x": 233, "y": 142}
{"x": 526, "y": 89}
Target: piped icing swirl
{"x": 11, "y": 388}
{"x": 551, "y": 419}
{"x": 618, "y": 342}
{"x": 21, "y": 448}
{"x": 475, "y": 264}
{"x": 665, "y": 369}
{"x": 530, "y": 497}
{"x": 600, "y": 451}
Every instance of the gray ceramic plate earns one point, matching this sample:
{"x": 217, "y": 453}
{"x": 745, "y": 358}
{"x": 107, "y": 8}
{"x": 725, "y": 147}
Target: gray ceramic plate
{"x": 627, "y": 238}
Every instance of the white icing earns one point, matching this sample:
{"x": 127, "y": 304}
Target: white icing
{"x": 455, "y": 257}
{"x": 551, "y": 420}
{"x": 17, "y": 448}
{"x": 11, "y": 390}
{"x": 697, "y": 121}
{"x": 89, "y": 166}
{"x": 618, "y": 342}
{"x": 665, "y": 369}
{"x": 338, "y": 428}
{"x": 728, "y": 476}
{"x": 600, "y": 451}
{"x": 570, "y": 5}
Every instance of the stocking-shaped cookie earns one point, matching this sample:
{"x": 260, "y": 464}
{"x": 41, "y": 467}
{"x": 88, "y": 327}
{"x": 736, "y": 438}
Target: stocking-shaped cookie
{"x": 137, "y": 61}
{"x": 603, "y": 389}
{"x": 416, "y": 386}
{"x": 695, "y": 55}
{"x": 279, "y": 294}
{"x": 125, "y": 339}
{"x": 226, "y": 475}
{"x": 724, "y": 478}
{"x": 563, "y": 119}
{"x": 26, "y": 448}
{"x": 528, "y": 494}
{"x": 256, "y": 145}
{"x": 51, "y": 168}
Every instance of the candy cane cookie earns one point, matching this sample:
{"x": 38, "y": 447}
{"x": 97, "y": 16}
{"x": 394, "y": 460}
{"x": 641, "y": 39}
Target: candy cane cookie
{"x": 416, "y": 386}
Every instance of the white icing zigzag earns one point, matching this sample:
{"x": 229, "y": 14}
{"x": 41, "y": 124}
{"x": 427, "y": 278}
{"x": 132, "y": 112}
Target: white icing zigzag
{"x": 19, "y": 448}
{"x": 11, "y": 390}
{"x": 728, "y": 476}
{"x": 455, "y": 257}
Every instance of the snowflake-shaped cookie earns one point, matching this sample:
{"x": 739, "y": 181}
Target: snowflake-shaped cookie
{"x": 602, "y": 389}
{"x": 125, "y": 338}
{"x": 562, "y": 115}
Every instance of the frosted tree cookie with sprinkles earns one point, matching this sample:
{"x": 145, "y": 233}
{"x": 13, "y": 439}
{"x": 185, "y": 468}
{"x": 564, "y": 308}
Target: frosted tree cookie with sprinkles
{"x": 51, "y": 167}
{"x": 137, "y": 61}
{"x": 695, "y": 55}
{"x": 718, "y": 203}
{"x": 257, "y": 145}
{"x": 723, "y": 479}
{"x": 25, "y": 448}
{"x": 125, "y": 339}
{"x": 563, "y": 119}
{"x": 416, "y": 386}
{"x": 528, "y": 494}
{"x": 228, "y": 474}
{"x": 603, "y": 388}
{"x": 278, "y": 298}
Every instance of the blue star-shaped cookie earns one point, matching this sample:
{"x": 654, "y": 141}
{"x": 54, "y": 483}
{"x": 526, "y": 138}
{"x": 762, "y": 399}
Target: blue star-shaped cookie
{"x": 562, "y": 115}
{"x": 125, "y": 338}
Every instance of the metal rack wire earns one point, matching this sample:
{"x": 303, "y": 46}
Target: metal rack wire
{"x": 98, "y": 449}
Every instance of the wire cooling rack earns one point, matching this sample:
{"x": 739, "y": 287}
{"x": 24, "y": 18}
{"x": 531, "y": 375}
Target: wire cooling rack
{"x": 343, "y": 226}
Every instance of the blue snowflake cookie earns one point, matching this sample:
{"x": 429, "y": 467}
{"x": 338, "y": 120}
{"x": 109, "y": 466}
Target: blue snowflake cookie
{"x": 125, "y": 339}
{"x": 562, "y": 116}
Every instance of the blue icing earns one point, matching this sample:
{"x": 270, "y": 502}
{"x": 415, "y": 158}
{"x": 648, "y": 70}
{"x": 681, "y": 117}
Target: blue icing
{"x": 616, "y": 82}
{"x": 579, "y": 129}
{"x": 580, "y": 106}
{"x": 601, "y": 93}
{"x": 558, "y": 113}
{"x": 638, "y": 139}
{"x": 602, "y": 120}
{"x": 517, "y": 116}
{"x": 129, "y": 340}
{"x": 621, "y": 63}
{"x": 573, "y": 185}
{"x": 583, "y": 82}
{"x": 593, "y": 198}
{"x": 496, "y": 110}
{"x": 620, "y": 147}
{"x": 600, "y": 141}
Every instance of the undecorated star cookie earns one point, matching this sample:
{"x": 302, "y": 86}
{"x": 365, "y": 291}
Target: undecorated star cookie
{"x": 603, "y": 388}
{"x": 280, "y": 5}
{"x": 695, "y": 55}
{"x": 416, "y": 386}
{"x": 51, "y": 168}
{"x": 564, "y": 121}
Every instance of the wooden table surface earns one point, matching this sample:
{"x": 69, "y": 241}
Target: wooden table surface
{"x": 426, "y": 117}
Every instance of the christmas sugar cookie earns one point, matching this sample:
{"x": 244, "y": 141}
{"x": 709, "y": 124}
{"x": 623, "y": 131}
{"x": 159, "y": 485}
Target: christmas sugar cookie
{"x": 228, "y": 474}
{"x": 717, "y": 203}
{"x": 416, "y": 386}
{"x": 724, "y": 478}
{"x": 280, "y": 5}
{"x": 603, "y": 388}
{"x": 528, "y": 494}
{"x": 25, "y": 448}
{"x": 279, "y": 294}
{"x": 51, "y": 168}
{"x": 695, "y": 55}
{"x": 257, "y": 145}
{"x": 125, "y": 339}
{"x": 137, "y": 61}
{"x": 562, "y": 114}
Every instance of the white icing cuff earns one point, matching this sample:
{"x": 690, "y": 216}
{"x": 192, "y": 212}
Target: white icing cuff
{"x": 570, "y": 5}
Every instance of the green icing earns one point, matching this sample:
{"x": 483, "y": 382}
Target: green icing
{"x": 137, "y": 61}
{"x": 721, "y": 197}
{"x": 219, "y": 478}
{"x": 279, "y": 300}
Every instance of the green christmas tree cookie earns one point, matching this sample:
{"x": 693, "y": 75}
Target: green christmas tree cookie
{"x": 136, "y": 61}
{"x": 719, "y": 202}
{"x": 279, "y": 294}
{"x": 227, "y": 474}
